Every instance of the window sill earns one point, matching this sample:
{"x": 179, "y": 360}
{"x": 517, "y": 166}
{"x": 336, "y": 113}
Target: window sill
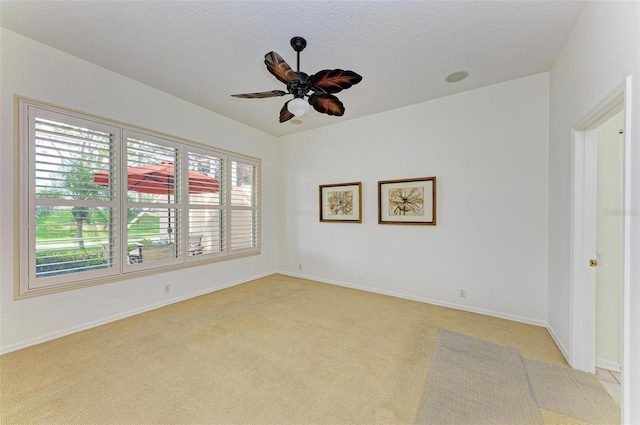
{"x": 19, "y": 294}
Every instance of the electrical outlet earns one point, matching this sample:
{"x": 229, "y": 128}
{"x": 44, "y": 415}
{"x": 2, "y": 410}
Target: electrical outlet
{"x": 462, "y": 293}
{"x": 167, "y": 289}
{"x": 300, "y": 266}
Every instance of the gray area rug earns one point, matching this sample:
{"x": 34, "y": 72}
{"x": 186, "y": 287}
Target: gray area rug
{"x": 472, "y": 381}
{"x": 571, "y": 393}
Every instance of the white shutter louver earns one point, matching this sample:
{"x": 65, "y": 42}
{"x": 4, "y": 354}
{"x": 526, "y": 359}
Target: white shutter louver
{"x": 153, "y": 201}
{"x": 207, "y": 217}
{"x": 74, "y": 218}
{"x": 244, "y": 206}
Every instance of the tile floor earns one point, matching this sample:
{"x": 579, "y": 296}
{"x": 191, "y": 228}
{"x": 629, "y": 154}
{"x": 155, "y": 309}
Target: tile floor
{"x": 611, "y": 381}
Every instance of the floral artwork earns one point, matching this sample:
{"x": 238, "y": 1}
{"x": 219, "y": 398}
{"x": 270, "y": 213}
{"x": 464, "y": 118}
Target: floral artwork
{"x": 406, "y": 201}
{"x": 340, "y": 203}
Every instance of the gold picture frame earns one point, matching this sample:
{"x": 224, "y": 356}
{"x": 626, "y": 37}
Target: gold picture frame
{"x": 341, "y": 202}
{"x": 407, "y": 201}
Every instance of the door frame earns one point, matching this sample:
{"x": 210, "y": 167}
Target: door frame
{"x": 583, "y": 235}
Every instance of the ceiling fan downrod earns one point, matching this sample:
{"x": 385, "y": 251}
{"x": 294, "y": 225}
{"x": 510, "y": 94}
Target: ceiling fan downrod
{"x": 299, "y": 88}
{"x": 298, "y": 44}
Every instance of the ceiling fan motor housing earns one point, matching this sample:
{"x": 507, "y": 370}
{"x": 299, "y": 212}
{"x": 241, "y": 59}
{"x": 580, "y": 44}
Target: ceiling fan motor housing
{"x": 299, "y": 88}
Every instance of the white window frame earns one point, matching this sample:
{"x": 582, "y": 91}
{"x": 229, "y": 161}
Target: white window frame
{"x": 27, "y": 285}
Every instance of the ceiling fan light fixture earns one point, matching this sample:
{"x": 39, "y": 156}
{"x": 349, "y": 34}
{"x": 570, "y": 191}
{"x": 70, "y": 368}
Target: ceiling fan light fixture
{"x": 298, "y": 107}
{"x": 319, "y": 87}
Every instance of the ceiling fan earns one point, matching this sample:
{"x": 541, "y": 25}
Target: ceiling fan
{"x": 322, "y": 85}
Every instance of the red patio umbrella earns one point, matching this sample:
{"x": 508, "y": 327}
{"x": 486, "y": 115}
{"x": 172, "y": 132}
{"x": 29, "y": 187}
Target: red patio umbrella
{"x": 159, "y": 179}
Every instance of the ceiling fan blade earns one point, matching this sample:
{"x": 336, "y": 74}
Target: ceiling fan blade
{"x": 326, "y": 104}
{"x": 285, "y": 115}
{"x": 260, "y": 95}
{"x": 279, "y": 68}
{"x": 334, "y": 80}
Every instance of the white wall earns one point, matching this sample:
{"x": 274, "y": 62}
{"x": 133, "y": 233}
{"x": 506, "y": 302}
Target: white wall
{"x": 34, "y": 70}
{"x": 601, "y": 50}
{"x": 488, "y": 150}
{"x": 609, "y": 243}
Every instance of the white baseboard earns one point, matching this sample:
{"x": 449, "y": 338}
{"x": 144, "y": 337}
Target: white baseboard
{"x": 68, "y": 331}
{"x": 608, "y": 364}
{"x": 85, "y": 326}
{"x": 485, "y": 312}
{"x": 559, "y": 343}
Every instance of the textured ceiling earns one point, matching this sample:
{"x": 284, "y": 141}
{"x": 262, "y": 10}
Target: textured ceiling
{"x": 204, "y": 51}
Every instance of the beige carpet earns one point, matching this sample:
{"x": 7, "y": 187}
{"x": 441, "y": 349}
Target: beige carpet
{"x": 278, "y": 350}
{"x": 472, "y": 381}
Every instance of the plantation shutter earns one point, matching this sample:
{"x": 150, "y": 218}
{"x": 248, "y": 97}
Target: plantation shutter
{"x": 243, "y": 232}
{"x": 153, "y": 203}
{"x": 99, "y": 200}
{"x": 73, "y": 221}
{"x": 207, "y": 216}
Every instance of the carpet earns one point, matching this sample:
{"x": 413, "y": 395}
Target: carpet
{"x": 274, "y": 351}
{"x": 473, "y": 381}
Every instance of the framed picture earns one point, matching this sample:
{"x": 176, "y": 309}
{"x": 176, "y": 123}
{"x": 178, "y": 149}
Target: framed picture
{"x": 408, "y": 201}
{"x": 341, "y": 202}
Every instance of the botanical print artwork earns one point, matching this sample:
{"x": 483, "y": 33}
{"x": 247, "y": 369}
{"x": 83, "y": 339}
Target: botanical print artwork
{"x": 406, "y": 201}
{"x": 340, "y": 203}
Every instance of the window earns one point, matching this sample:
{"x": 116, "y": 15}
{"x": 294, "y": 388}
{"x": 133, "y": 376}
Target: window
{"x": 102, "y": 201}
{"x": 243, "y": 202}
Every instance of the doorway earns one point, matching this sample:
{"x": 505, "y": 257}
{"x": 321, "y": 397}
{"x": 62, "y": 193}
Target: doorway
{"x": 609, "y": 250}
{"x": 609, "y": 243}
{"x": 584, "y": 237}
